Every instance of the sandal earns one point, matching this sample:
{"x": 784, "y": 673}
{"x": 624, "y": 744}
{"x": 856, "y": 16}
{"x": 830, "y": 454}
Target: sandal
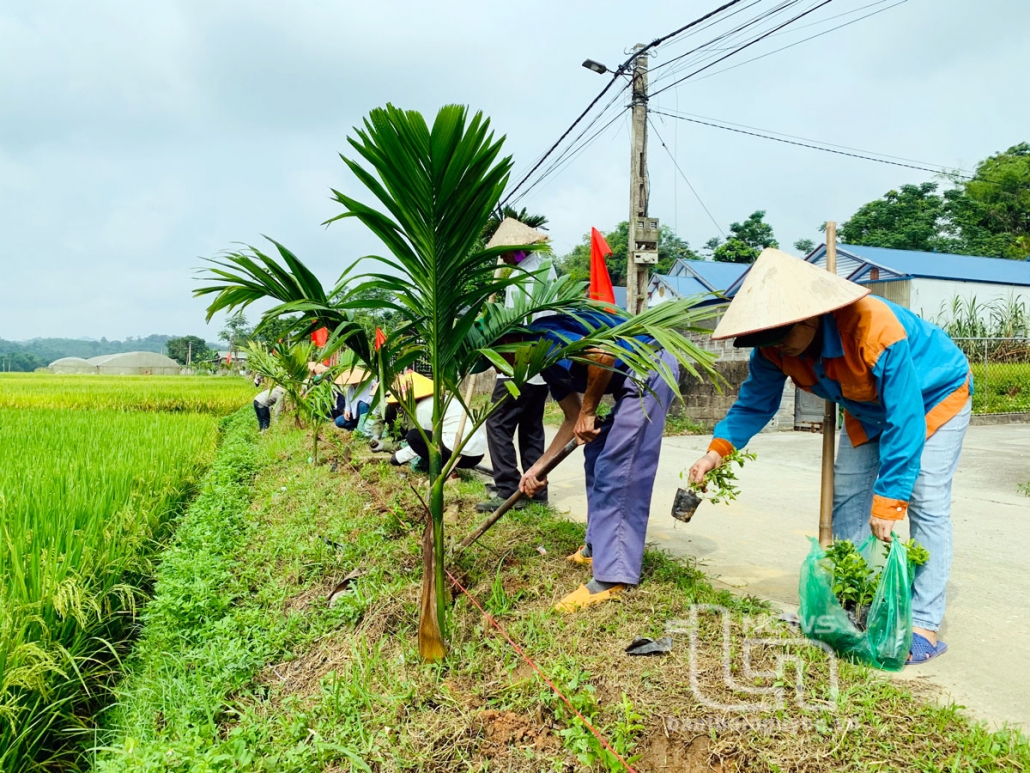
{"x": 581, "y": 598}
{"x": 579, "y": 558}
{"x": 922, "y": 650}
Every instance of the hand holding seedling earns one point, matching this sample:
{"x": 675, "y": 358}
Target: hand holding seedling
{"x": 720, "y": 472}
{"x": 702, "y": 467}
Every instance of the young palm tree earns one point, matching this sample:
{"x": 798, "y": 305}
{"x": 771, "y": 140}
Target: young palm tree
{"x": 288, "y": 365}
{"x": 438, "y": 187}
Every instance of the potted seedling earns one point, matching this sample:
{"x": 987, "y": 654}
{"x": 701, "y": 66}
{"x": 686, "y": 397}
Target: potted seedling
{"x": 722, "y": 480}
{"x": 855, "y": 582}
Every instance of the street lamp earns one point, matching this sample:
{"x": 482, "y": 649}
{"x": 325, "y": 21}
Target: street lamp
{"x": 597, "y": 67}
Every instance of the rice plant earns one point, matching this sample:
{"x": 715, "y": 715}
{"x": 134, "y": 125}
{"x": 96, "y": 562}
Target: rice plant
{"x": 178, "y": 394}
{"x": 84, "y": 498}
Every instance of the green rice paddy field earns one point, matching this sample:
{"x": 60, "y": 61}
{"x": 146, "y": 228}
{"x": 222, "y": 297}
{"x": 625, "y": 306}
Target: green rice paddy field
{"x": 92, "y": 471}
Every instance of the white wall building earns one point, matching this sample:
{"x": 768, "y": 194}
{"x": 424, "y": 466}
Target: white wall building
{"x": 928, "y": 282}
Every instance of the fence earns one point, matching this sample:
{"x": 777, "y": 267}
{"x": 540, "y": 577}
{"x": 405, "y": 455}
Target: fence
{"x": 1001, "y": 373}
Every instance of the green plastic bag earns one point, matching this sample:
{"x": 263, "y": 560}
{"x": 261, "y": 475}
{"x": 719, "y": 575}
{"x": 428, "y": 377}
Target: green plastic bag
{"x": 887, "y": 638}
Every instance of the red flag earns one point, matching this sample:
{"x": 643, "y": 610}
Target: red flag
{"x": 320, "y": 336}
{"x": 600, "y": 280}
{"x": 380, "y": 338}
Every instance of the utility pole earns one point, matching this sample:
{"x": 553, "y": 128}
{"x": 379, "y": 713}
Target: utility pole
{"x": 642, "y": 245}
{"x": 189, "y": 353}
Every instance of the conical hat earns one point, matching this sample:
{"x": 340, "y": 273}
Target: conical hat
{"x": 515, "y": 233}
{"x": 419, "y": 385}
{"x": 355, "y": 375}
{"x": 780, "y": 290}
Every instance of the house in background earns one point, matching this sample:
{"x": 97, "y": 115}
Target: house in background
{"x": 689, "y": 278}
{"x": 926, "y": 282}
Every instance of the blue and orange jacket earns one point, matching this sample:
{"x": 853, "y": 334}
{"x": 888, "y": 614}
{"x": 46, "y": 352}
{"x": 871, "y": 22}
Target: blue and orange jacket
{"x": 897, "y": 376}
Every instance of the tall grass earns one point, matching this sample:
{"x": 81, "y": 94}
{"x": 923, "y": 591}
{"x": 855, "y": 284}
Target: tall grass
{"x": 190, "y": 394}
{"x": 970, "y": 318}
{"x": 83, "y": 497}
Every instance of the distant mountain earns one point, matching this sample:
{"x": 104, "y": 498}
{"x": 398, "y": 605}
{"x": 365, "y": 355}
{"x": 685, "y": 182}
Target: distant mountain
{"x": 26, "y": 356}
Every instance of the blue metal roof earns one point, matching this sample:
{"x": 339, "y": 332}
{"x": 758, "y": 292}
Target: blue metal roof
{"x": 683, "y": 286}
{"x": 717, "y": 275}
{"x": 941, "y": 265}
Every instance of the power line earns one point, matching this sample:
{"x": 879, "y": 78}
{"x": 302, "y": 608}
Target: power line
{"x": 939, "y": 170}
{"x": 573, "y": 144}
{"x": 729, "y": 34}
{"x": 746, "y": 45}
{"x": 733, "y": 40}
{"x": 615, "y": 75}
{"x": 830, "y": 18}
{"x": 703, "y": 45}
{"x": 686, "y": 179}
{"x": 803, "y": 40}
{"x": 558, "y": 166}
{"x": 565, "y": 134}
{"x": 680, "y": 113}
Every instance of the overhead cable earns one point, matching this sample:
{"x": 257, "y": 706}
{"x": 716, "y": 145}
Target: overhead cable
{"x": 803, "y": 40}
{"x": 615, "y": 75}
{"x": 939, "y": 170}
{"x": 686, "y": 179}
{"x": 741, "y": 48}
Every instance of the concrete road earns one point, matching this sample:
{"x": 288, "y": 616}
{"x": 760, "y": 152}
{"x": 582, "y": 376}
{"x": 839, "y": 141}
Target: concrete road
{"x": 756, "y": 545}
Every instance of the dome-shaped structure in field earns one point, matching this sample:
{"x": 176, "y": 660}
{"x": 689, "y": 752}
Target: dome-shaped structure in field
{"x": 72, "y": 365}
{"x": 125, "y": 364}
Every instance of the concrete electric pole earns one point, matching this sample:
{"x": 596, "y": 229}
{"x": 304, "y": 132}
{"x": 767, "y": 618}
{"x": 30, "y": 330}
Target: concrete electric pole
{"x": 642, "y": 245}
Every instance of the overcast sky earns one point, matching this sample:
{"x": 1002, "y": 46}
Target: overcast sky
{"x": 137, "y": 138}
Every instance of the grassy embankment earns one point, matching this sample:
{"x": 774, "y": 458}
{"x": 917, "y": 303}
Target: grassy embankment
{"x": 86, "y": 496}
{"x": 246, "y": 664}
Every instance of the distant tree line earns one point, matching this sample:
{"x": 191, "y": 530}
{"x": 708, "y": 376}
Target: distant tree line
{"x": 27, "y": 356}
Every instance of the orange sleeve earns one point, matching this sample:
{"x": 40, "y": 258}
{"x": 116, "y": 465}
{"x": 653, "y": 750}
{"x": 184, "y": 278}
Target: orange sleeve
{"x": 721, "y": 447}
{"x": 889, "y": 509}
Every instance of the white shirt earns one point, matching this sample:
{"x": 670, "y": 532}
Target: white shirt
{"x": 357, "y": 393}
{"x": 533, "y": 263}
{"x": 476, "y": 444}
{"x": 270, "y": 397}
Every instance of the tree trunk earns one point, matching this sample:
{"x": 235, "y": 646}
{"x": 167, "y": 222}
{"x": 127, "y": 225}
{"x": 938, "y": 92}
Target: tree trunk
{"x": 432, "y": 627}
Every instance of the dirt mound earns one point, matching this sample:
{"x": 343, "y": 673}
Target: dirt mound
{"x": 674, "y": 754}
{"x": 505, "y": 729}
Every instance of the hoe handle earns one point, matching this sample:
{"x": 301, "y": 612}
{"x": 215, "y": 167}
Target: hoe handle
{"x": 509, "y": 503}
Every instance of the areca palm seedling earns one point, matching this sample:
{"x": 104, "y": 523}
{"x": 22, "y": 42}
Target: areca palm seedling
{"x": 288, "y": 365}
{"x": 437, "y": 186}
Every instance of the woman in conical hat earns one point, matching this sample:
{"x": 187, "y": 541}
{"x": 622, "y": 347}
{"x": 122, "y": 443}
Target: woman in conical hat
{"x": 905, "y": 389}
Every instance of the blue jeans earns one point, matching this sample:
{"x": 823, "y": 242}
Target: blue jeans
{"x": 929, "y": 509}
{"x": 352, "y": 422}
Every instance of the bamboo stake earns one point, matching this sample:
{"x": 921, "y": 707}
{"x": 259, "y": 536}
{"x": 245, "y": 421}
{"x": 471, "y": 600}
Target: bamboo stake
{"x": 829, "y": 421}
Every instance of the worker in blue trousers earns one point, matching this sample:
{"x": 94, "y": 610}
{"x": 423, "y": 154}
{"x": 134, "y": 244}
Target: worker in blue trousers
{"x": 905, "y": 389}
{"x": 621, "y": 453}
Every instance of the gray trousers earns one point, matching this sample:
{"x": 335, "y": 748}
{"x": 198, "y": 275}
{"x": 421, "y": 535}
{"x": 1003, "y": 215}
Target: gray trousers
{"x": 621, "y": 465}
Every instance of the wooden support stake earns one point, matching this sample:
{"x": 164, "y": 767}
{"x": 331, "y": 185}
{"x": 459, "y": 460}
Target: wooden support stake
{"x": 829, "y": 421}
